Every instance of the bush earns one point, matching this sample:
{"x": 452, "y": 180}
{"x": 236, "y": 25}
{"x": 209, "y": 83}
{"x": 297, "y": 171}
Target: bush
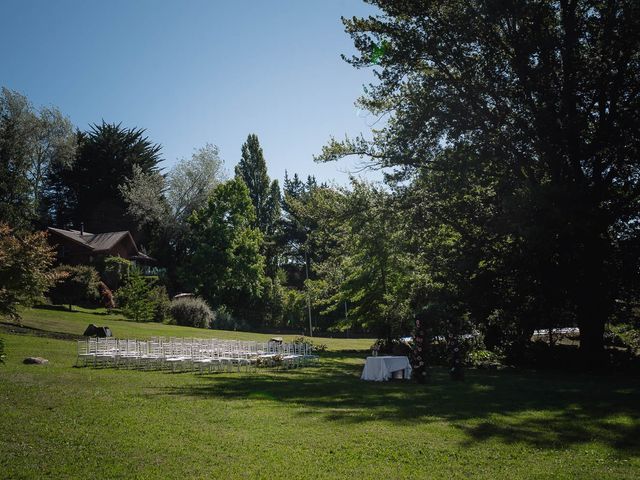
{"x": 224, "y": 320}
{"x": 623, "y": 335}
{"x": 133, "y": 298}
{"x": 391, "y": 347}
{"x": 25, "y": 261}
{"x": 319, "y": 347}
{"x": 191, "y": 312}
{"x": 161, "y": 303}
{"x": 294, "y": 308}
{"x": 106, "y": 296}
{"x": 484, "y": 359}
{"x": 79, "y": 286}
{"x": 116, "y": 271}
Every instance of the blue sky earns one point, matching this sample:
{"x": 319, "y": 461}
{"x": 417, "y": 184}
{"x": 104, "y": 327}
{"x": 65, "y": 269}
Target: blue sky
{"x": 194, "y": 71}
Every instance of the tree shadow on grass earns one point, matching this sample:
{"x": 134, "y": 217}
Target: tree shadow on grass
{"x": 65, "y": 309}
{"x": 548, "y": 411}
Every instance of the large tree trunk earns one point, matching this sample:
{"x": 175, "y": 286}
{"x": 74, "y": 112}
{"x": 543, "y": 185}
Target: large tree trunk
{"x": 594, "y": 297}
{"x": 592, "y": 341}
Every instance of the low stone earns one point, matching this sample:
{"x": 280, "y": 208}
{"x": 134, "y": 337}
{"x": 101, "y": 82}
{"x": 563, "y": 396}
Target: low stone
{"x": 35, "y": 361}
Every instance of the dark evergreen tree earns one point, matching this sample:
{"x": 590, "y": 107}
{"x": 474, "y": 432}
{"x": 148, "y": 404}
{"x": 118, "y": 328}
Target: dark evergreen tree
{"x": 265, "y": 197}
{"x": 106, "y": 157}
{"x": 252, "y": 169}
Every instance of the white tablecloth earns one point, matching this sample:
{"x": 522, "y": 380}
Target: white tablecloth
{"x": 382, "y": 368}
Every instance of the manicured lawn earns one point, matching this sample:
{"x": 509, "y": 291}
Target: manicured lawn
{"x": 76, "y": 321}
{"x": 58, "y": 421}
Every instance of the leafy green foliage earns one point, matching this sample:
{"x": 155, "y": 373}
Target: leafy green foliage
{"x": 625, "y": 335}
{"x": 265, "y": 195}
{"x": 115, "y": 271}
{"x": 15, "y": 201}
{"x": 133, "y": 298}
{"x": 25, "y": 262}
{"x": 191, "y": 312}
{"x": 366, "y": 264}
{"x": 80, "y": 285}
{"x": 161, "y": 303}
{"x": 143, "y": 195}
{"x": 297, "y": 222}
{"x": 294, "y": 309}
{"x": 33, "y": 143}
{"x": 225, "y": 266}
{"x": 223, "y": 319}
{"x": 316, "y": 347}
{"x": 522, "y": 157}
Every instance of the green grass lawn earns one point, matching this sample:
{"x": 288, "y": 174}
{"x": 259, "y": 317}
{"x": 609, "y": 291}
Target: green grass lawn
{"x": 58, "y": 421}
{"x": 75, "y": 322}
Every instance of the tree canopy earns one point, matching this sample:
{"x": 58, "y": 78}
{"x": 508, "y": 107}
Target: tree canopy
{"x": 225, "y": 265}
{"x": 539, "y": 100}
{"x": 108, "y": 155}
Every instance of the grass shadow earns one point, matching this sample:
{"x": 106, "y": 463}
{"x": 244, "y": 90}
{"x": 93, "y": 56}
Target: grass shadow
{"x": 543, "y": 410}
{"x": 65, "y": 308}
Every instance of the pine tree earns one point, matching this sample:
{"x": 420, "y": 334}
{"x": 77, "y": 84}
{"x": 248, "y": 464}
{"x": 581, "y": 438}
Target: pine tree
{"x": 133, "y": 298}
{"x": 252, "y": 169}
{"x": 265, "y": 197}
{"x": 106, "y": 158}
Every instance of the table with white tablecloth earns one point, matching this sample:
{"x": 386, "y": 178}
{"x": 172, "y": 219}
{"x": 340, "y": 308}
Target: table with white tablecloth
{"x": 382, "y": 368}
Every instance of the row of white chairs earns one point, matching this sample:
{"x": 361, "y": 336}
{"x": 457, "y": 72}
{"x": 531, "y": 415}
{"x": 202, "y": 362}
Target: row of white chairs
{"x": 192, "y": 354}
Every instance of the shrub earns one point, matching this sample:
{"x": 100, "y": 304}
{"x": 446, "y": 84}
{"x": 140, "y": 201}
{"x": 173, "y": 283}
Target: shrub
{"x": 133, "y": 298}
{"x": 79, "y": 286}
{"x": 391, "y": 347}
{"x": 319, "y": 347}
{"x": 25, "y": 261}
{"x": 106, "y": 296}
{"x": 294, "y": 308}
{"x": 161, "y": 303}
{"x": 624, "y": 335}
{"x": 116, "y": 271}
{"x": 192, "y": 312}
{"x": 224, "y": 320}
{"x": 484, "y": 359}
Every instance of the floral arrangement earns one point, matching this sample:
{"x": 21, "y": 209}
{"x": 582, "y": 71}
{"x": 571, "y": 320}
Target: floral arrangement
{"x": 419, "y": 353}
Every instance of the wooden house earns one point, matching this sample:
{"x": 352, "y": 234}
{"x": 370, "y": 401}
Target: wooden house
{"x": 77, "y": 247}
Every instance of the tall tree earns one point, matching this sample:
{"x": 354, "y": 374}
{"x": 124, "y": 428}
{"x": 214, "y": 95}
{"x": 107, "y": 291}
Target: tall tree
{"x": 53, "y": 145}
{"x": 225, "y": 265}
{"x": 164, "y": 205}
{"x": 15, "y": 200}
{"x": 252, "y": 169}
{"x": 366, "y": 262}
{"x": 192, "y": 180}
{"x": 32, "y": 144}
{"x": 297, "y": 223}
{"x": 107, "y": 156}
{"x": 542, "y": 95}
{"x": 265, "y": 197}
